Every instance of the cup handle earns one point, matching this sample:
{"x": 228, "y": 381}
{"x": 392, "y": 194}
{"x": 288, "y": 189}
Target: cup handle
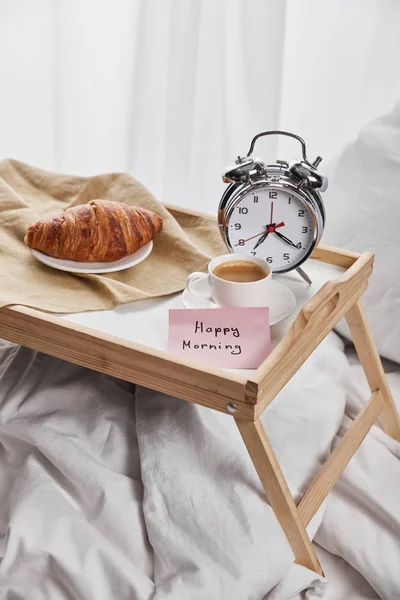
{"x": 196, "y": 276}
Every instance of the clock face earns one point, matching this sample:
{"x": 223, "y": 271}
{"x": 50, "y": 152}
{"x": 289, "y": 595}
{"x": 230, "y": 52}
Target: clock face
{"x": 273, "y": 224}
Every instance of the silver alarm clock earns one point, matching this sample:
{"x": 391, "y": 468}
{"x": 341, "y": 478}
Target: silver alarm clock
{"x": 273, "y": 211}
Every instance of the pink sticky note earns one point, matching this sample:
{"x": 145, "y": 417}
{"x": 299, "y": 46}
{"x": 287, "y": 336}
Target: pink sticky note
{"x": 232, "y": 338}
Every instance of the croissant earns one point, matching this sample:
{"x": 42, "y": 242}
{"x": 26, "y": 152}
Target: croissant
{"x": 100, "y": 231}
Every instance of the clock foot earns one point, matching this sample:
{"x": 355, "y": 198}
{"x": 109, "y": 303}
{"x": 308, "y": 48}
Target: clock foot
{"x": 304, "y": 275}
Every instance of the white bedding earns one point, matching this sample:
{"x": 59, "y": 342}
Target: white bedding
{"x": 110, "y": 493}
{"x": 344, "y": 582}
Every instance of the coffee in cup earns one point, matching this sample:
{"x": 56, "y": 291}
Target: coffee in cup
{"x": 240, "y": 271}
{"x": 234, "y": 281}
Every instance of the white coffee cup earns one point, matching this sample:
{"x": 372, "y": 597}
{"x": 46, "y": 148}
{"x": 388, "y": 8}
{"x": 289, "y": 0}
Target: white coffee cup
{"x": 233, "y": 293}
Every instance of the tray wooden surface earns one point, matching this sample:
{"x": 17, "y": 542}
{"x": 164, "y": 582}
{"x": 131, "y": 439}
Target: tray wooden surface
{"x": 186, "y": 379}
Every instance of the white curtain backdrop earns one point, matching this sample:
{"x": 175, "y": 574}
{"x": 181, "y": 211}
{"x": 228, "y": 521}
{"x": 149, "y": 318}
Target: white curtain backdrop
{"x": 172, "y": 90}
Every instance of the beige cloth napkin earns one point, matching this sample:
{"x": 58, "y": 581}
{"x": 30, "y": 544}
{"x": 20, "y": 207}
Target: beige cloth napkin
{"x": 185, "y": 244}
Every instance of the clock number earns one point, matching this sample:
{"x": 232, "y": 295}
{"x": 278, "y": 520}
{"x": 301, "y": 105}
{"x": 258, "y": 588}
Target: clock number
{"x": 299, "y": 246}
{"x": 289, "y": 200}
{"x": 269, "y": 259}
{"x": 301, "y": 213}
{"x": 304, "y": 230}
{"x": 253, "y": 253}
{"x": 255, "y": 199}
{"x": 273, "y": 195}
{"x": 241, "y": 242}
{"x": 238, "y": 226}
{"x": 286, "y": 256}
{"x": 243, "y": 210}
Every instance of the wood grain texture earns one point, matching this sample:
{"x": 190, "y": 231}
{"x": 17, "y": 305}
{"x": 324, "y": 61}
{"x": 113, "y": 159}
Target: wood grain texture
{"x": 372, "y": 365}
{"x": 316, "y": 319}
{"x": 278, "y": 493}
{"x": 339, "y": 459}
{"x": 132, "y": 362}
{"x": 335, "y": 256}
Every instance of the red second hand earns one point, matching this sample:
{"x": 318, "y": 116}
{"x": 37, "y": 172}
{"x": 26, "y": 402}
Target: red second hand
{"x": 270, "y": 229}
{"x": 251, "y": 238}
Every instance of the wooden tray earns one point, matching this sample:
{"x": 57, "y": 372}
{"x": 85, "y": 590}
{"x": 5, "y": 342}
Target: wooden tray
{"x": 244, "y": 398}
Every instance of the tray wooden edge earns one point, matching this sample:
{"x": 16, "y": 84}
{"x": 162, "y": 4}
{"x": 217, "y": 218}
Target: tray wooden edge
{"x": 313, "y": 323}
{"x": 126, "y": 360}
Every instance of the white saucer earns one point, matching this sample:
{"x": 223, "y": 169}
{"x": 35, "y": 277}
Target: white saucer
{"x": 95, "y": 267}
{"x": 281, "y": 301}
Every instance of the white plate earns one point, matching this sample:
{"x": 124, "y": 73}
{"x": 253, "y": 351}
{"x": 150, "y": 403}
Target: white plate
{"x": 95, "y": 267}
{"x": 281, "y": 301}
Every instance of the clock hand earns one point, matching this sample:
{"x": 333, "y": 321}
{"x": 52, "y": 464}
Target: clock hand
{"x": 262, "y": 239}
{"x": 252, "y": 237}
{"x": 271, "y": 227}
{"x": 272, "y": 214}
{"x": 261, "y": 232}
{"x": 285, "y": 239}
{"x": 299, "y": 269}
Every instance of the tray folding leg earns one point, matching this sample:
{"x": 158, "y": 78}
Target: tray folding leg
{"x": 335, "y": 300}
{"x": 278, "y": 493}
{"x": 372, "y": 365}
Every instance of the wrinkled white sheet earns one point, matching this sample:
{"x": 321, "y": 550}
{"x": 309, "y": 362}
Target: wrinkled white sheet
{"x": 362, "y": 519}
{"x": 107, "y": 493}
{"x": 344, "y": 582}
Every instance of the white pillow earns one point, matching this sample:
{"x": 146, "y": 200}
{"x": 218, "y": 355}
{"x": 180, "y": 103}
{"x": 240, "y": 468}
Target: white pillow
{"x": 363, "y": 213}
